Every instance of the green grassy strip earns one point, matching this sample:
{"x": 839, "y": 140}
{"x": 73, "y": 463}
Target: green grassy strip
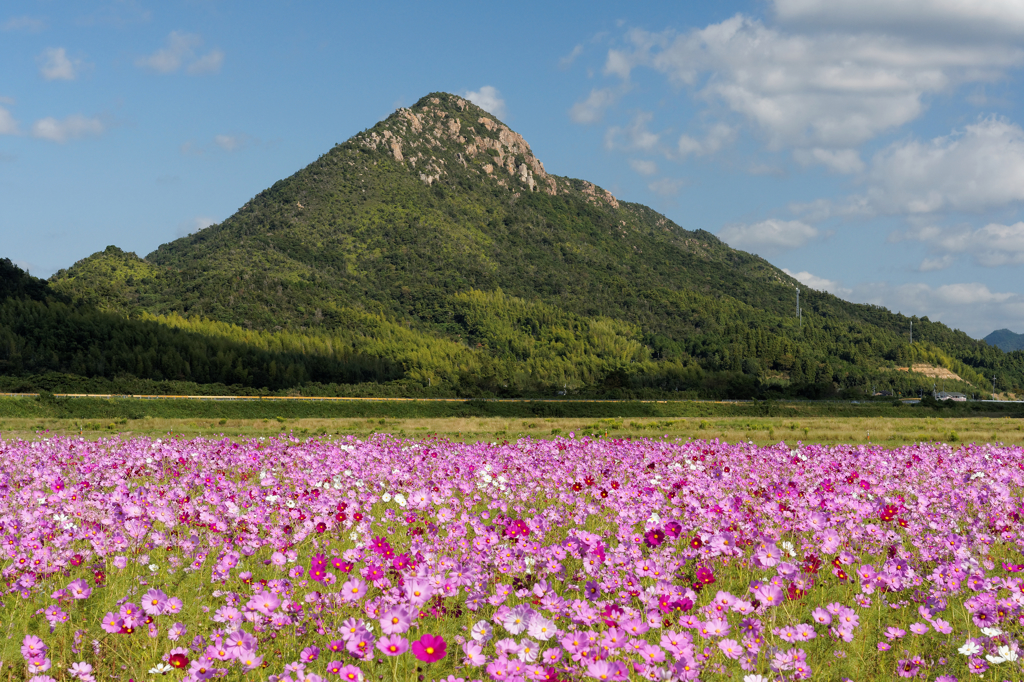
{"x": 47, "y": 406}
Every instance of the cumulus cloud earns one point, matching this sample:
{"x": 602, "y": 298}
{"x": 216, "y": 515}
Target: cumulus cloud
{"x": 667, "y": 187}
{"x": 978, "y": 17}
{"x": 977, "y": 168}
{"x": 933, "y": 264}
{"x": 635, "y": 136}
{"x": 970, "y": 306}
{"x": 990, "y": 246}
{"x": 832, "y": 90}
{"x": 720, "y": 135}
{"x": 8, "y": 126}
{"x": 487, "y": 98}
{"x": 180, "y": 50}
{"x": 72, "y": 127}
{"x": 837, "y": 160}
{"x": 771, "y": 234}
{"x": 643, "y": 167}
{"x": 55, "y": 65}
{"x": 819, "y": 283}
{"x": 593, "y": 107}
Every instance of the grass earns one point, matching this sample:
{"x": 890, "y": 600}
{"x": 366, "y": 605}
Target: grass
{"x": 761, "y": 430}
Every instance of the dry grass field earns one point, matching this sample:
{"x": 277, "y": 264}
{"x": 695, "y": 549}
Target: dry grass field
{"x": 762, "y": 430}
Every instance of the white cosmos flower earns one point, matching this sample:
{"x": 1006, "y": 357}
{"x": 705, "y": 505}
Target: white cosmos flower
{"x": 991, "y": 632}
{"x": 969, "y": 648}
{"x": 154, "y": 568}
{"x": 1007, "y": 654}
{"x": 160, "y": 669}
{"x": 399, "y": 499}
{"x": 386, "y": 497}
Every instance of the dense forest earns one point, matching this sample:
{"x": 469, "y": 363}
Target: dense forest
{"x": 434, "y": 255}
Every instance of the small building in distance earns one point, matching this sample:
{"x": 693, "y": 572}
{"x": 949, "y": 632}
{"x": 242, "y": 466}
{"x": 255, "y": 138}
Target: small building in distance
{"x": 944, "y": 395}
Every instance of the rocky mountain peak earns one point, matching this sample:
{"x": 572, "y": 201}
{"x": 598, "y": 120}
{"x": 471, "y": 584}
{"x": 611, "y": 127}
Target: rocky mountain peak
{"x": 442, "y": 134}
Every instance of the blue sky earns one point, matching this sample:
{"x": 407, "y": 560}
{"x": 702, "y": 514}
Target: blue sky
{"x": 873, "y": 148}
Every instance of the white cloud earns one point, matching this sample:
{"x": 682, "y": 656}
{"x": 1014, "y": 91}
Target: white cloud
{"x": 229, "y": 143}
{"x": 970, "y": 306}
{"x": 981, "y": 17}
{"x": 978, "y": 168}
{"x": 487, "y": 98}
{"x": 8, "y": 126}
{"x": 813, "y": 90}
{"x": 933, "y": 264}
{"x": 24, "y": 23}
{"x": 619, "y": 63}
{"x": 180, "y": 50}
{"x": 667, "y": 187}
{"x": 990, "y": 246}
{"x": 70, "y": 128}
{"x": 837, "y": 160}
{"x": 208, "y": 63}
{"x": 635, "y": 136}
{"x": 819, "y": 283}
{"x": 643, "y": 167}
{"x": 566, "y": 61}
{"x": 55, "y": 65}
{"x": 718, "y": 136}
{"x": 593, "y": 107}
{"x": 771, "y": 234}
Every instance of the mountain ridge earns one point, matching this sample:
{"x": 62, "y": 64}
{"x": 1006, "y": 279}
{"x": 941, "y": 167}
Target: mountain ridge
{"x": 441, "y": 220}
{"x": 1005, "y": 340}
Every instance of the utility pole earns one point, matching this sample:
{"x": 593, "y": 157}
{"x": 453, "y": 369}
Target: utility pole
{"x": 911, "y": 332}
{"x": 799, "y": 317}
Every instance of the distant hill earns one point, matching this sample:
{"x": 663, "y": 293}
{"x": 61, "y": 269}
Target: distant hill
{"x": 435, "y": 254}
{"x": 1006, "y": 340}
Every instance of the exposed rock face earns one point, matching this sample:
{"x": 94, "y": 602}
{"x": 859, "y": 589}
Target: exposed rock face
{"x": 449, "y": 126}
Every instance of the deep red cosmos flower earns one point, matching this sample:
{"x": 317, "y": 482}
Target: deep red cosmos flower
{"x": 178, "y": 661}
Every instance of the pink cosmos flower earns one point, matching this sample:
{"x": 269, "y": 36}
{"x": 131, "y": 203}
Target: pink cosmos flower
{"x": 393, "y": 645}
{"x": 153, "y": 602}
{"x": 768, "y": 594}
{"x": 893, "y": 633}
{"x": 474, "y": 653}
{"x": 33, "y": 647}
{"x": 418, "y": 591}
{"x": 80, "y": 669}
{"x": 353, "y": 590}
{"x": 607, "y": 671}
{"x": 79, "y": 589}
{"x": 264, "y": 602}
{"x": 430, "y": 648}
{"x": 395, "y": 621}
{"x": 350, "y": 674}
{"x": 498, "y": 668}
{"x": 731, "y": 648}
{"x": 111, "y": 623}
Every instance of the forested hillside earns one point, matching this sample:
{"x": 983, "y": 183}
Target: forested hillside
{"x": 434, "y": 254}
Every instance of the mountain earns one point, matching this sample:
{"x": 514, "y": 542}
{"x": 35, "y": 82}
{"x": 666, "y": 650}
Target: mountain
{"x": 437, "y": 245}
{"x": 1006, "y": 340}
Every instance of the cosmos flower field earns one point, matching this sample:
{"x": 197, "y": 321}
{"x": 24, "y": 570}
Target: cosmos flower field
{"x": 569, "y": 559}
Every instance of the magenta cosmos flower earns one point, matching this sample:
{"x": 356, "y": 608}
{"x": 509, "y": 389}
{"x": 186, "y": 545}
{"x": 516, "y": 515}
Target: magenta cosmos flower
{"x": 430, "y": 648}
